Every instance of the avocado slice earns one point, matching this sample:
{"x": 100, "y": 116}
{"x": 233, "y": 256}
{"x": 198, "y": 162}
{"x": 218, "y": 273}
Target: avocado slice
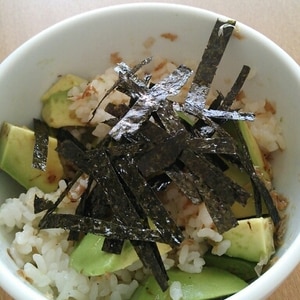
{"x": 242, "y": 268}
{"x": 99, "y": 262}
{"x": 242, "y": 178}
{"x": 64, "y": 83}
{"x": 251, "y": 240}
{"x": 256, "y": 155}
{"x": 16, "y": 150}
{"x": 55, "y": 110}
{"x": 211, "y": 283}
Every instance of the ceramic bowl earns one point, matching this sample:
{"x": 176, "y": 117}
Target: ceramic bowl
{"x": 83, "y": 45}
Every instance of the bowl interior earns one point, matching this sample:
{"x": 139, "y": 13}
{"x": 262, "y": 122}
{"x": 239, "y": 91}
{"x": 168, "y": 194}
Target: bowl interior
{"x": 83, "y": 45}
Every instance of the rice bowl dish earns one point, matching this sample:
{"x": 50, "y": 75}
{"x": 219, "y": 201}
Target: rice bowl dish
{"x": 43, "y": 255}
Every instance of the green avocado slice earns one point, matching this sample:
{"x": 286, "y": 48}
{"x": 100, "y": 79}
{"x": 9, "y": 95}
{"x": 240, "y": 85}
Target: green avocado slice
{"x": 251, "y": 240}
{"x": 242, "y": 178}
{"x": 55, "y": 110}
{"x": 242, "y": 268}
{"x": 211, "y": 283}
{"x": 16, "y": 150}
{"x": 98, "y": 262}
{"x": 64, "y": 83}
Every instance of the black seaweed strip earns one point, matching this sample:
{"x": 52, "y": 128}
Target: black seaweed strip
{"x": 258, "y": 200}
{"x": 213, "y": 149}
{"x": 227, "y": 115}
{"x": 186, "y": 182}
{"x": 153, "y": 97}
{"x": 40, "y": 148}
{"x": 148, "y": 200}
{"x": 217, "y": 102}
{"x": 63, "y": 135}
{"x": 160, "y": 182}
{"x": 214, "y": 51}
{"x": 216, "y": 145}
{"x": 117, "y": 111}
{"x": 162, "y": 155}
{"x": 221, "y": 214}
{"x": 260, "y": 189}
{"x": 222, "y": 104}
{"x": 151, "y": 259}
{"x": 214, "y": 178}
{"x": 135, "y": 148}
{"x": 207, "y": 67}
{"x": 41, "y": 204}
{"x": 219, "y": 211}
{"x": 114, "y": 246}
{"x": 150, "y": 132}
{"x": 129, "y": 83}
{"x": 237, "y": 86}
{"x": 217, "y": 160}
{"x": 169, "y": 119}
{"x": 95, "y": 205}
{"x": 101, "y": 227}
{"x": 217, "y": 199}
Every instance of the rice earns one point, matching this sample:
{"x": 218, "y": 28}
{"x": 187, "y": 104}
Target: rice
{"x": 43, "y": 255}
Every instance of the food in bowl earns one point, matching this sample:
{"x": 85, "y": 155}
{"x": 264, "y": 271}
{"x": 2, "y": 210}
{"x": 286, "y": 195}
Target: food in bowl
{"x": 117, "y": 139}
{"x": 86, "y": 73}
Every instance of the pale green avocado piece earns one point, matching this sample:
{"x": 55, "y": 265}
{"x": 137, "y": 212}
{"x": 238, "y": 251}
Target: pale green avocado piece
{"x": 55, "y": 110}
{"x": 88, "y": 258}
{"x": 251, "y": 239}
{"x": 211, "y": 283}
{"x": 242, "y": 178}
{"x": 242, "y": 268}
{"x": 64, "y": 83}
{"x": 16, "y": 152}
{"x": 256, "y": 155}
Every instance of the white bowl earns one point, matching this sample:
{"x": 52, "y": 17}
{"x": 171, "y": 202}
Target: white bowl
{"x": 83, "y": 44}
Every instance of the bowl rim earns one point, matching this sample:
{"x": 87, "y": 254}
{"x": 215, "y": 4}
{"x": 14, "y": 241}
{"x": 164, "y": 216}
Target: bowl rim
{"x": 261, "y": 287}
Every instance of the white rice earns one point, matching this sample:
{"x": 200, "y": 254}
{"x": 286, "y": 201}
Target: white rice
{"x": 43, "y": 255}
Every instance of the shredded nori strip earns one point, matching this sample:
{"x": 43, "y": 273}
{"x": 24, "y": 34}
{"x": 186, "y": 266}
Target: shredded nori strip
{"x": 207, "y": 67}
{"x": 235, "y": 89}
{"x": 40, "y": 149}
{"x": 151, "y": 205}
{"x": 101, "y": 227}
{"x": 162, "y": 155}
{"x": 40, "y": 204}
{"x": 213, "y": 145}
{"x": 148, "y": 101}
{"x": 187, "y": 182}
